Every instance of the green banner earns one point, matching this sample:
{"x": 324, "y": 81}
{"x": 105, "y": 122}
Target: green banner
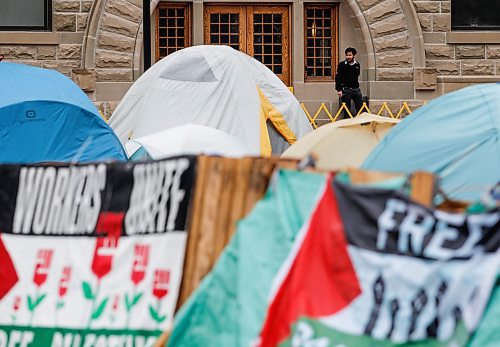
{"x": 20, "y": 336}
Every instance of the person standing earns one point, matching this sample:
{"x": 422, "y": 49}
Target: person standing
{"x": 346, "y": 81}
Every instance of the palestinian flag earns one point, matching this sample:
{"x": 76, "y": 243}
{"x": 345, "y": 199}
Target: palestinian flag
{"x": 373, "y": 268}
{"x": 231, "y": 305}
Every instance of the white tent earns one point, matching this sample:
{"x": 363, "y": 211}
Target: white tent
{"x": 187, "y": 139}
{"x": 345, "y": 143}
{"x": 217, "y": 87}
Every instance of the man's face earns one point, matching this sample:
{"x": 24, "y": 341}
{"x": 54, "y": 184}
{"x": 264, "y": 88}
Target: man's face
{"x": 349, "y": 56}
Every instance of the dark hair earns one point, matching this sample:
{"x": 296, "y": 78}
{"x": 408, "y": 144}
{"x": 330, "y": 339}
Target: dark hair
{"x": 351, "y": 49}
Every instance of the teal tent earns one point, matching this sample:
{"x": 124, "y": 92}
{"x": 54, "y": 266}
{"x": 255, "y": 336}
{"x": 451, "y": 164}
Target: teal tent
{"x": 455, "y": 136}
{"x": 44, "y": 116}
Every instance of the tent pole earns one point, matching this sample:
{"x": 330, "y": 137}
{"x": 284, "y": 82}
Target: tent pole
{"x": 146, "y": 26}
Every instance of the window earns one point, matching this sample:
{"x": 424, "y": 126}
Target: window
{"x": 267, "y": 40}
{"x": 261, "y": 31}
{"x": 225, "y": 28}
{"x": 321, "y": 28}
{"x": 173, "y": 28}
{"x": 475, "y": 15}
{"x": 25, "y": 15}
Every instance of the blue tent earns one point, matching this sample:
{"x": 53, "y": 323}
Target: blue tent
{"x": 44, "y": 116}
{"x": 455, "y": 136}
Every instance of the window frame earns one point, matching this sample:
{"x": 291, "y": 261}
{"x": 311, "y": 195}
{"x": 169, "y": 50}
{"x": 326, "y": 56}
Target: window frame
{"x": 335, "y": 40}
{"x": 284, "y": 11}
{"x": 246, "y": 11}
{"x": 47, "y": 18}
{"x": 469, "y": 28}
{"x": 240, "y": 10}
{"x": 188, "y": 19}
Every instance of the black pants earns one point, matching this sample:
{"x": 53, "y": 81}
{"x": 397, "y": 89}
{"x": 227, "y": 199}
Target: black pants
{"x": 349, "y": 95}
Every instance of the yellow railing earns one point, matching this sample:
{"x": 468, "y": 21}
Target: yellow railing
{"x": 385, "y": 107}
{"x": 364, "y": 108}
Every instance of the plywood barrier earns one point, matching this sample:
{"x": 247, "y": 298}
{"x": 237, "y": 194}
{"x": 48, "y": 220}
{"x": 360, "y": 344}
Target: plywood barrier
{"x": 226, "y": 190}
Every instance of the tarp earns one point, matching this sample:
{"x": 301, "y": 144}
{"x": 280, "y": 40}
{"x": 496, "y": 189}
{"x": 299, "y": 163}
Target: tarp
{"x": 188, "y": 139}
{"x": 101, "y": 266}
{"x": 44, "y": 116}
{"x": 456, "y": 136}
{"x": 230, "y": 305}
{"x": 214, "y": 86}
{"x": 344, "y": 143}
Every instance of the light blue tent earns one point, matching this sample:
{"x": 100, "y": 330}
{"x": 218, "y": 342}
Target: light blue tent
{"x": 44, "y": 116}
{"x": 455, "y": 136}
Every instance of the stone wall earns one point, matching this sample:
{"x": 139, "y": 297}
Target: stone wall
{"x": 59, "y": 50}
{"x": 459, "y": 58}
{"x": 111, "y": 48}
{"x": 393, "y": 34}
{"x": 450, "y": 58}
{"x": 62, "y": 49}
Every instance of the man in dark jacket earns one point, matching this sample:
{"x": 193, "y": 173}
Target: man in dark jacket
{"x": 346, "y": 81}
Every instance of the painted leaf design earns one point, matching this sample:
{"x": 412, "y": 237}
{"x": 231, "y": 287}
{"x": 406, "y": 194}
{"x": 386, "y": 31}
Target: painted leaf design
{"x": 87, "y": 290}
{"x": 39, "y": 300}
{"x": 137, "y": 297}
{"x": 31, "y": 304}
{"x": 127, "y": 302}
{"x": 100, "y": 309}
{"x": 161, "y": 318}
{"x": 153, "y": 313}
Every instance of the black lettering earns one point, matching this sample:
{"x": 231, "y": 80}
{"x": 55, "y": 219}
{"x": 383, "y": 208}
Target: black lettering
{"x": 432, "y": 329}
{"x": 417, "y": 306}
{"x": 378, "y": 296}
{"x": 394, "y": 306}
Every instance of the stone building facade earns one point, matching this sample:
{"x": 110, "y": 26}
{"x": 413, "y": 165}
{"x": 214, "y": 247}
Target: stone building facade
{"x": 407, "y": 49}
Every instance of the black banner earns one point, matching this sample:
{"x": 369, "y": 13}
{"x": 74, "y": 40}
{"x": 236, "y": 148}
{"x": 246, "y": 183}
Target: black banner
{"x": 68, "y": 199}
{"x": 387, "y": 221}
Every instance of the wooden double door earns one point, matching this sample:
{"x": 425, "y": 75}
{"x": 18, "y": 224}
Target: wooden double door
{"x": 260, "y": 31}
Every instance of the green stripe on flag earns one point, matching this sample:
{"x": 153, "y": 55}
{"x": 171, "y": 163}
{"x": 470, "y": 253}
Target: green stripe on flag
{"x": 314, "y": 333}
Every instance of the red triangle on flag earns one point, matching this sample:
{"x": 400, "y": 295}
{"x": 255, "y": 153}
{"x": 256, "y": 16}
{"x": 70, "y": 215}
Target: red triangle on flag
{"x": 321, "y": 280}
{"x": 8, "y": 274}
